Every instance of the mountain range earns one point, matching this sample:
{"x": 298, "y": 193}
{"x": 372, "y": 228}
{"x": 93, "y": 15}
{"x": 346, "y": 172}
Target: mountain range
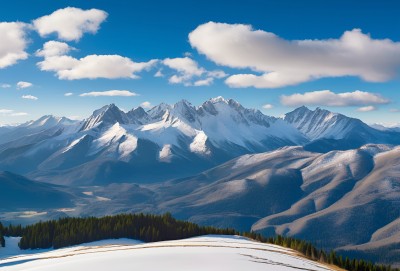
{"x": 165, "y": 142}
{"x": 343, "y": 200}
{"x": 313, "y": 174}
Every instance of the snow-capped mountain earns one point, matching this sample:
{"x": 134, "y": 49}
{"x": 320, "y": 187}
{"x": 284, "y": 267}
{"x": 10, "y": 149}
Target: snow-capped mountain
{"x": 321, "y": 123}
{"x": 168, "y": 141}
{"x": 329, "y": 131}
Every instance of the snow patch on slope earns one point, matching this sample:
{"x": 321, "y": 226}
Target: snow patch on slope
{"x": 73, "y": 143}
{"x": 123, "y": 142}
{"x": 165, "y": 153}
{"x": 199, "y": 144}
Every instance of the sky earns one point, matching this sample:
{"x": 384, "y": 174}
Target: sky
{"x": 68, "y": 58}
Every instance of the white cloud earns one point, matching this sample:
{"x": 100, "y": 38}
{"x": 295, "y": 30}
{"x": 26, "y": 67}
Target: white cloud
{"x": 23, "y": 84}
{"x": 184, "y": 65}
{"x": 70, "y": 23}
{"x": 268, "y": 106}
{"x": 94, "y": 66}
{"x": 54, "y": 48}
{"x": 29, "y": 97}
{"x": 188, "y": 69}
{"x": 109, "y": 93}
{"x": 289, "y": 62}
{"x": 329, "y": 98}
{"x": 11, "y": 113}
{"x": 217, "y": 74}
{"x": 175, "y": 79}
{"x": 367, "y": 108}
{"x": 159, "y": 74}
{"x": 68, "y": 94}
{"x": 18, "y": 114}
{"x": 5, "y": 85}
{"x": 146, "y": 105}
{"x": 205, "y": 82}
{"x": 394, "y": 110}
{"x": 269, "y": 80}
{"x": 13, "y": 43}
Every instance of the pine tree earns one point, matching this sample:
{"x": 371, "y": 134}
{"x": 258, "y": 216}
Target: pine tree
{"x": 2, "y": 240}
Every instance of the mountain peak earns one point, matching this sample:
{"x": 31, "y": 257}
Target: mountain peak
{"x": 322, "y": 123}
{"x": 302, "y": 109}
{"x": 184, "y": 102}
{"x": 218, "y": 99}
{"x": 138, "y": 116}
{"x": 184, "y": 109}
{"x": 108, "y": 114}
{"x": 47, "y": 121}
{"x": 138, "y": 110}
{"x": 158, "y": 111}
{"x": 104, "y": 109}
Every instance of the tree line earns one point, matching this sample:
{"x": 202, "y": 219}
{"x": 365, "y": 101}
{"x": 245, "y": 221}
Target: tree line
{"x": 311, "y": 252}
{"x": 2, "y": 241}
{"x": 151, "y": 228}
{"x": 73, "y": 231}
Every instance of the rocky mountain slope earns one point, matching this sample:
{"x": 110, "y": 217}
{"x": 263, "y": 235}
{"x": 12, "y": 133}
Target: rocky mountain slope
{"x": 347, "y": 200}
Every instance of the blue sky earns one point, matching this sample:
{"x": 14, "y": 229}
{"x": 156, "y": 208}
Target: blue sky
{"x": 236, "y": 56}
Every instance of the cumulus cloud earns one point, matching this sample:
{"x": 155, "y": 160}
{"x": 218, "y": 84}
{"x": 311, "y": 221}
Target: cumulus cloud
{"x": 268, "y": 106}
{"x": 5, "y": 85}
{"x": 276, "y": 62}
{"x": 367, "y": 108}
{"x": 205, "y": 82}
{"x": 109, "y": 93}
{"x": 329, "y": 98}
{"x": 54, "y": 48}
{"x": 188, "y": 69}
{"x": 11, "y": 113}
{"x": 23, "y": 84}
{"x": 93, "y": 66}
{"x": 70, "y": 23}
{"x": 68, "y": 94}
{"x": 146, "y": 105}
{"x": 13, "y": 43}
{"x": 29, "y": 97}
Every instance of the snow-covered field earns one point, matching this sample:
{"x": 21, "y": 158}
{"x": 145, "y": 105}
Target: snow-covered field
{"x": 200, "y": 253}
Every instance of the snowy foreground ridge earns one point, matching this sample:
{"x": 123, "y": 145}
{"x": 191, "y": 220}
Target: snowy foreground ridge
{"x": 200, "y": 253}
